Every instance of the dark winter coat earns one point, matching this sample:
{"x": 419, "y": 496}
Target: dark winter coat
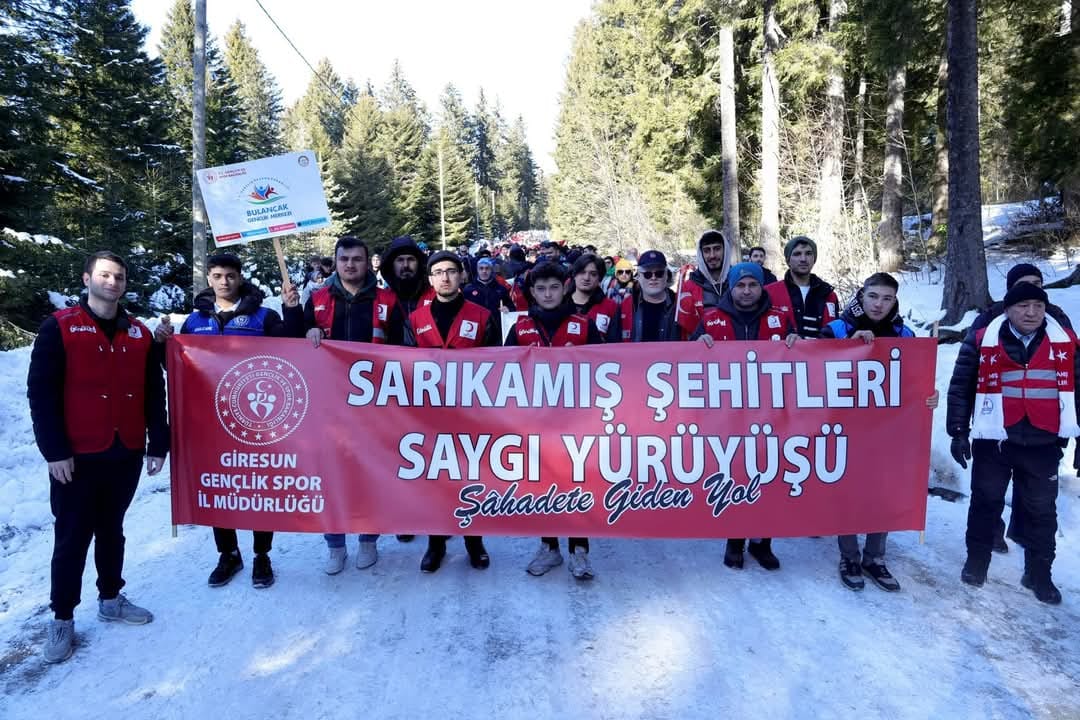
{"x": 746, "y": 324}
{"x": 352, "y": 313}
{"x": 632, "y": 310}
{"x": 820, "y": 308}
{"x": 551, "y": 321}
{"x": 249, "y": 317}
{"x": 854, "y": 319}
{"x": 987, "y": 316}
{"x": 491, "y": 294}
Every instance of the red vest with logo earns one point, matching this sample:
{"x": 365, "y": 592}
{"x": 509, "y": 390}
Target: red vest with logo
{"x": 104, "y": 383}
{"x": 1030, "y": 391}
{"x": 322, "y": 301}
{"x": 719, "y": 325}
{"x": 691, "y": 306}
{"x": 468, "y": 330}
{"x": 574, "y": 330}
{"x": 603, "y": 314}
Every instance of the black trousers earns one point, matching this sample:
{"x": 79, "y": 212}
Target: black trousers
{"x": 225, "y": 539}
{"x": 574, "y": 542}
{"x": 1033, "y": 471}
{"x": 91, "y": 507}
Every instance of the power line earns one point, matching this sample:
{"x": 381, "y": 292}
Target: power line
{"x": 322, "y": 80}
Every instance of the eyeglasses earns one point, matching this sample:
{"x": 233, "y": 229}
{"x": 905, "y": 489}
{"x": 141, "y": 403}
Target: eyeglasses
{"x": 653, "y": 274}
{"x": 623, "y": 272}
{"x": 449, "y": 272}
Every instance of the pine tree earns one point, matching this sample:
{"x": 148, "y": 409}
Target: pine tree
{"x": 260, "y": 98}
{"x": 402, "y": 136}
{"x": 517, "y": 178}
{"x": 360, "y": 194}
{"x": 317, "y": 120}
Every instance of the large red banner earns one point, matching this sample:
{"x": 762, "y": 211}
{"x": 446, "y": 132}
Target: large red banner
{"x": 746, "y": 439}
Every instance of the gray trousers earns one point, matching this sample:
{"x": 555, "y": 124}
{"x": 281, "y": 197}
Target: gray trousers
{"x": 874, "y": 552}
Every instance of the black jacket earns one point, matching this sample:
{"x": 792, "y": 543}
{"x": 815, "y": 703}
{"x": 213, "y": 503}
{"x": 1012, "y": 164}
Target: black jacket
{"x": 669, "y": 329}
{"x": 987, "y": 316}
{"x": 965, "y": 380}
{"x": 490, "y": 294}
{"x": 746, "y": 325}
{"x": 45, "y": 389}
{"x": 352, "y": 314}
{"x": 549, "y": 321}
{"x": 810, "y": 315}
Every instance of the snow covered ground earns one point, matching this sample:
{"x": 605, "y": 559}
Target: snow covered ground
{"x": 664, "y": 631}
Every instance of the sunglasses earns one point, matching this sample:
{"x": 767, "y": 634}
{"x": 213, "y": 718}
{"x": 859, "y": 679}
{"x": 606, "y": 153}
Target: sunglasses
{"x": 653, "y": 274}
{"x": 623, "y": 272}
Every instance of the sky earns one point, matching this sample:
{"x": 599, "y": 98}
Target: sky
{"x": 516, "y": 50}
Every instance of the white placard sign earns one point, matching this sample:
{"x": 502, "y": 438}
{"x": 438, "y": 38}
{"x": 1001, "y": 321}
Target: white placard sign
{"x": 264, "y": 198}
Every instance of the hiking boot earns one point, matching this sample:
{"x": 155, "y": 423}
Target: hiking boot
{"x": 733, "y": 554}
{"x": 335, "y": 561}
{"x": 1000, "y": 546}
{"x": 405, "y": 538}
{"x": 120, "y": 609}
{"x": 762, "y": 552}
{"x": 366, "y": 554}
{"x": 433, "y": 558}
{"x": 478, "y": 555}
{"x": 881, "y": 576}
{"x": 262, "y": 575}
{"x": 546, "y": 558}
{"x": 851, "y": 574}
{"x": 228, "y": 565}
{"x": 1044, "y": 589}
{"x": 974, "y": 572}
{"x": 579, "y": 565}
{"x": 60, "y": 642}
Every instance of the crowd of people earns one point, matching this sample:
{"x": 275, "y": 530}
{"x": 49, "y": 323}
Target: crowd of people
{"x": 97, "y": 394}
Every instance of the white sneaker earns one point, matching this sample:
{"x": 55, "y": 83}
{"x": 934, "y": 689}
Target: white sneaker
{"x": 546, "y": 558}
{"x": 579, "y": 566}
{"x": 58, "y": 646}
{"x": 335, "y": 561}
{"x": 366, "y": 555}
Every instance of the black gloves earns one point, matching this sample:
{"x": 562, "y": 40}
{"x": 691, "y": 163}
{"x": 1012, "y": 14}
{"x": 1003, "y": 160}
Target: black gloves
{"x": 961, "y": 450}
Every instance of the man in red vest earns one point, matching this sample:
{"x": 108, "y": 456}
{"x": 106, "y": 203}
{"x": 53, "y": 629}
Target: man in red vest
{"x": 551, "y": 322}
{"x": 350, "y": 306}
{"x": 452, "y": 322}
{"x": 1013, "y": 390}
{"x": 588, "y": 299}
{"x": 96, "y": 394}
{"x": 809, "y": 302}
{"x": 745, "y": 312}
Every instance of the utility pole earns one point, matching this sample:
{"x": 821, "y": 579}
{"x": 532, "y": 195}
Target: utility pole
{"x": 442, "y": 202}
{"x": 476, "y": 207}
{"x": 198, "y": 155}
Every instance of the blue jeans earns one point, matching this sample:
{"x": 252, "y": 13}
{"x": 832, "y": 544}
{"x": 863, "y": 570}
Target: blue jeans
{"x": 334, "y": 540}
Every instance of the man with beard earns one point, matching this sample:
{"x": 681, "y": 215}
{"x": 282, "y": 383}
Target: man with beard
{"x": 452, "y": 322}
{"x": 233, "y": 306}
{"x": 874, "y": 312}
{"x": 648, "y": 313}
{"x": 486, "y": 289}
{"x": 403, "y": 265}
{"x": 588, "y": 299}
{"x": 809, "y": 301}
{"x": 350, "y": 307}
{"x": 745, "y": 312}
{"x": 96, "y": 397}
{"x": 554, "y": 323}
{"x": 705, "y": 285}
{"x": 757, "y": 255}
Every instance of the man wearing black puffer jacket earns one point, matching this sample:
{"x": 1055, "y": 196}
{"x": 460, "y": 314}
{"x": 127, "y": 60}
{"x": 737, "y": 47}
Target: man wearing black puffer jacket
{"x": 1013, "y": 390}
{"x": 809, "y": 302}
{"x": 405, "y": 271}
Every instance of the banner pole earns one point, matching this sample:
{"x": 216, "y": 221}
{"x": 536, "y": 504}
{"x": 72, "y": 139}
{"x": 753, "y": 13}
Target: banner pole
{"x": 933, "y": 334}
{"x": 281, "y": 262}
{"x": 174, "y": 532}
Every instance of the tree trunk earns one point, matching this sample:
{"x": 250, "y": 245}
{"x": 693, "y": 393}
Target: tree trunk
{"x": 890, "y": 229}
{"x": 728, "y": 145}
{"x": 940, "y": 202}
{"x": 862, "y": 204}
{"x": 831, "y": 183}
{"x": 965, "y": 266}
{"x": 769, "y": 182}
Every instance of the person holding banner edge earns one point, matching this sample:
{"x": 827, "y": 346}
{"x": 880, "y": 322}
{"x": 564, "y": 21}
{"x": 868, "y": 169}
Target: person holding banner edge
{"x": 745, "y": 312}
{"x": 233, "y": 306}
{"x": 452, "y": 322}
{"x": 349, "y": 307}
{"x": 97, "y": 403}
{"x": 874, "y": 312}
{"x": 551, "y": 322}
{"x": 588, "y": 299}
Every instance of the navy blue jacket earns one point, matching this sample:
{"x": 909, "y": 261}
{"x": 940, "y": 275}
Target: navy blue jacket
{"x": 248, "y": 318}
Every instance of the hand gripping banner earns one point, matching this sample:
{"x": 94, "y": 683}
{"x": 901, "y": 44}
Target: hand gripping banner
{"x": 746, "y": 439}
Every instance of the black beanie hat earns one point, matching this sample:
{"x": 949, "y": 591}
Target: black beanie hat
{"x": 444, "y": 256}
{"x": 1018, "y": 271}
{"x": 1024, "y": 291}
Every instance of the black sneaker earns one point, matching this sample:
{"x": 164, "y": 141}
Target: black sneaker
{"x": 1000, "y": 546}
{"x": 851, "y": 574}
{"x": 262, "y": 575}
{"x": 478, "y": 556}
{"x": 733, "y": 554}
{"x": 974, "y": 573}
{"x": 228, "y": 565}
{"x": 433, "y": 558}
{"x": 1045, "y": 592}
{"x": 762, "y": 552}
{"x": 405, "y": 538}
{"x": 881, "y": 576}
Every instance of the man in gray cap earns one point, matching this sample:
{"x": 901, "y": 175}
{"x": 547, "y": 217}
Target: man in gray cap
{"x": 809, "y": 302}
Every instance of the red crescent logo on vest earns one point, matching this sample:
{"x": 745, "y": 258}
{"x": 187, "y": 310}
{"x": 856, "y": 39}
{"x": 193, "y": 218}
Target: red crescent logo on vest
{"x": 261, "y": 400}
{"x": 468, "y": 329}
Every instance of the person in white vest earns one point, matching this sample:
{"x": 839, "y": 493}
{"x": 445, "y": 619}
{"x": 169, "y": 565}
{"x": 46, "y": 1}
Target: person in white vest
{"x": 1013, "y": 392}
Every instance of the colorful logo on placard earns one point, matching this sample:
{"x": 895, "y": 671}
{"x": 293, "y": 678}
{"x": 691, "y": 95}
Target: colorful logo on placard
{"x": 261, "y": 400}
{"x": 264, "y": 191}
